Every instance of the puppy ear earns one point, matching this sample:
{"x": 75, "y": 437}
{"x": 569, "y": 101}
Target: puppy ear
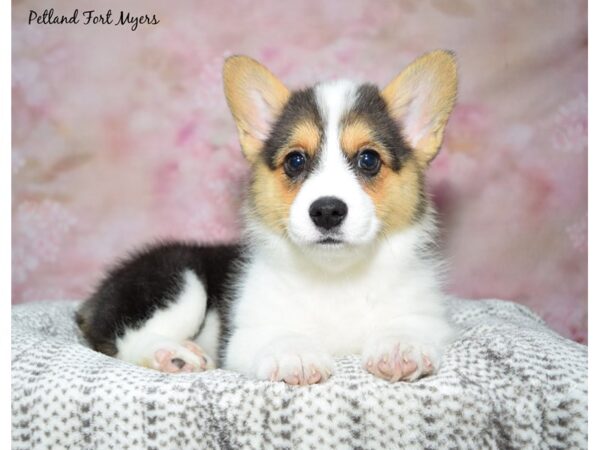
{"x": 421, "y": 98}
{"x": 255, "y": 97}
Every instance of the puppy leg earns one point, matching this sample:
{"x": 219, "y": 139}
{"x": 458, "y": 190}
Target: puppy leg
{"x": 147, "y": 316}
{"x": 164, "y": 354}
{"x": 408, "y": 350}
{"x": 278, "y": 356}
{"x": 162, "y": 342}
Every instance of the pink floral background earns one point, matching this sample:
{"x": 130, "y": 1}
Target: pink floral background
{"x": 121, "y": 137}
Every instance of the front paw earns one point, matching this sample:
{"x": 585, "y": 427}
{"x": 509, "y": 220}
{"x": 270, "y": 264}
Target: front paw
{"x": 296, "y": 364}
{"x": 401, "y": 359}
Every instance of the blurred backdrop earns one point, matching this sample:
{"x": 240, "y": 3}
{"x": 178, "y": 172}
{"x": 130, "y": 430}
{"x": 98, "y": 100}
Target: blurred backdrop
{"x": 122, "y": 137}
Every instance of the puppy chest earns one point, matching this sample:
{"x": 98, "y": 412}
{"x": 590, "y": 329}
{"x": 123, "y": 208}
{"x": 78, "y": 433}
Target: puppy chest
{"x": 339, "y": 318}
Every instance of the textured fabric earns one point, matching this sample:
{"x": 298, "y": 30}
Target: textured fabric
{"x": 121, "y": 137}
{"x": 507, "y": 382}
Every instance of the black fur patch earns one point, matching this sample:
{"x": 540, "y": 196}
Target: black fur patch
{"x": 302, "y": 106}
{"x": 151, "y": 279}
{"x": 371, "y": 107}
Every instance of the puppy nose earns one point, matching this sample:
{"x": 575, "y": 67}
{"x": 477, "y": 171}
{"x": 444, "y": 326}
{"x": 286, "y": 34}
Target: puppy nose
{"x": 328, "y": 212}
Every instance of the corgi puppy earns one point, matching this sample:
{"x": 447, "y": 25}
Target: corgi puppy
{"x": 336, "y": 257}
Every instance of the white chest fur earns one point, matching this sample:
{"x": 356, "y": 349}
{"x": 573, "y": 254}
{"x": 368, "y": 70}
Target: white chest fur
{"x": 338, "y": 303}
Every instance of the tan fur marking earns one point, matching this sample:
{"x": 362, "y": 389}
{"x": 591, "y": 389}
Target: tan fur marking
{"x": 396, "y": 195}
{"x": 358, "y": 135}
{"x": 306, "y": 137}
{"x": 355, "y": 136}
{"x": 272, "y": 190}
{"x": 272, "y": 195}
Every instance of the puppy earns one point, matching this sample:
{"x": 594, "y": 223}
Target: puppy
{"x": 336, "y": 255}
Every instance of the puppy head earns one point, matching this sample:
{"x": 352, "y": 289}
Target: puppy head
{"x": 340, "y": 164}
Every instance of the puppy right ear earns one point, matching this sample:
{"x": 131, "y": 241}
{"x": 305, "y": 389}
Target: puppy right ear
{"x": 255, "y": 97}
{"x": 421, "y": 98}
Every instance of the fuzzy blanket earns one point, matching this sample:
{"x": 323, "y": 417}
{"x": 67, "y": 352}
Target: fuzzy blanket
{"x": 507, "y": 382}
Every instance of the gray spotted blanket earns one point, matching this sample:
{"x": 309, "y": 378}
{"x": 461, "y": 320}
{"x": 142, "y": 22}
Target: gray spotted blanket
{"x": 507, "y": 382}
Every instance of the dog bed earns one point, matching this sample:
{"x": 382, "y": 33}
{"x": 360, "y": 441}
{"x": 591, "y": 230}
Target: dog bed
{"x": 508, "y": 381}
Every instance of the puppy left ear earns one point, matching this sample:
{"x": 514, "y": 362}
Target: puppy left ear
{"x": 256, "y": 98}
{"x": 421, "y": 98}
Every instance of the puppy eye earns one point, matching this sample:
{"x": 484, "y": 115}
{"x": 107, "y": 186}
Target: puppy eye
{"x": 294, "y": 164}
{"x": 369, "y": 162}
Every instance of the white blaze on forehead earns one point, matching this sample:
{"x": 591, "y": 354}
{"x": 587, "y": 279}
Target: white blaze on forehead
{"x": 334, "y": 99}
{"x": 334, "y": 176}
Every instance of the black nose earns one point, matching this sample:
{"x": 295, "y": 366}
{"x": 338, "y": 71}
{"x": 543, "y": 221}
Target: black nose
{"x": 328, "y": 212}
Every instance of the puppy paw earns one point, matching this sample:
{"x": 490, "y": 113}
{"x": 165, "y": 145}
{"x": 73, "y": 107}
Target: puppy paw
{"x": 296, "y": 365}
{"x": 397, "y": 359}
{"x": 180, "y": 358}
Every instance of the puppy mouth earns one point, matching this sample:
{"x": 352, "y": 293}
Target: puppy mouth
{"x": 327, "y": 241}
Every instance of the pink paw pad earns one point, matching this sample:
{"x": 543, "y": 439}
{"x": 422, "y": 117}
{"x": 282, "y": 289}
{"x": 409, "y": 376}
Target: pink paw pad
{"x": 302, "y": 376}
{"x": 189, "y": 358}
{"x": 399, "y": 366}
